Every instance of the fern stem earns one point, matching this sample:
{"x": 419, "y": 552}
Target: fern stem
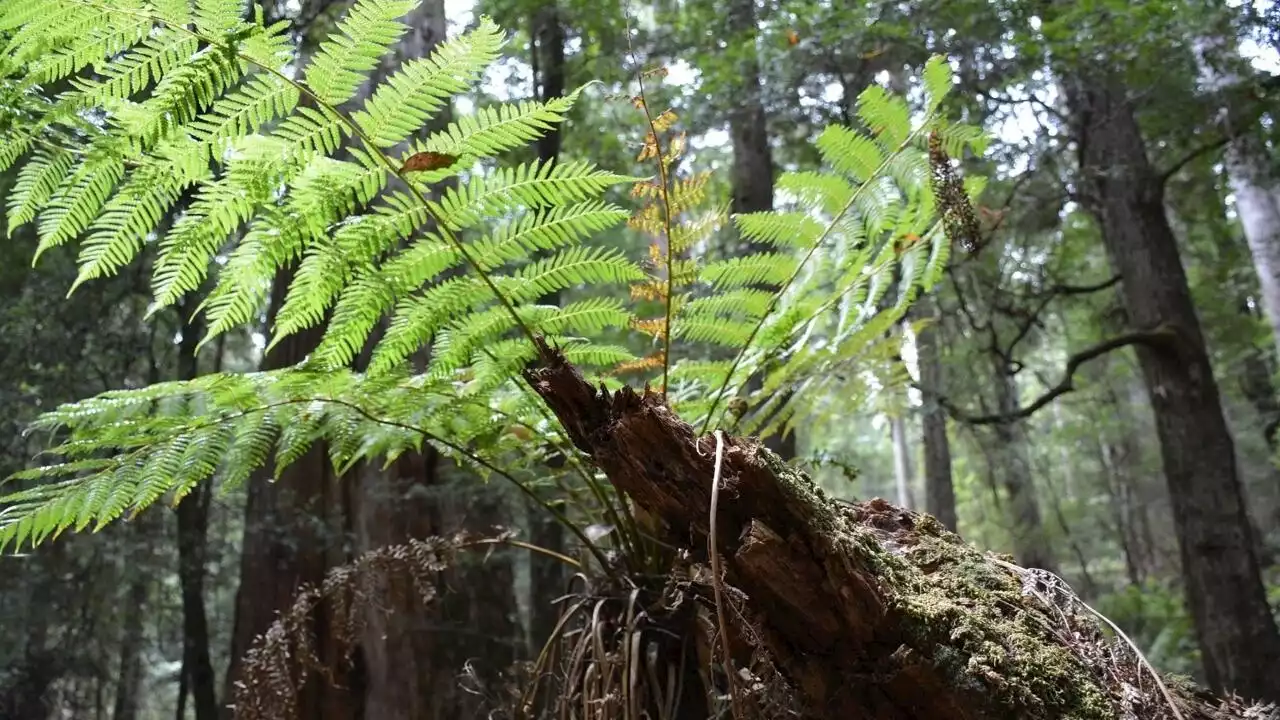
{"x": 817, "y": 243}
{"x": 568, "y": 451}
{"x": 665, "y": 194}
{"x": 358, "y": 132}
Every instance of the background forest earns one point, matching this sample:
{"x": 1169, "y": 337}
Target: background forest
{"x": 1028, "y": 400}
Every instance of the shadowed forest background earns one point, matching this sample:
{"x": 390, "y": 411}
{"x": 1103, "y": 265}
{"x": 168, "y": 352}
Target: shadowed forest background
{"x": 1090, "y": 387}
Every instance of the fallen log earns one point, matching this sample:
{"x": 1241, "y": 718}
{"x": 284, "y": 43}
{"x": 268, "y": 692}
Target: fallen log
{"x": 867, "y": 611}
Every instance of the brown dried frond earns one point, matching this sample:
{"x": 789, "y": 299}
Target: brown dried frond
{"x": 675, "y": 149}
{"x": 644, "y": 363}
{"x": 648, "y": 291}
{"x": 665, "y": 120}
{"x": 279, "y": 665}
{"x": 647, "y": 219}
{"x": 689, "y": 192}
{"x": 646, "y": 189}
{"x": 654, "y": 326}
{"x": 650, "y": 149}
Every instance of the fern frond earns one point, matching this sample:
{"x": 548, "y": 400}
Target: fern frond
{"x": 217, "y": 18}
{"x": 78, "y": 200}
{"x": 497, "y": 129}
{"x": 261, "y": 99}
{"x": 369, "y": 30}
{"x": 36, "y": 183}
{"x": 117, "y": 235}
{"x": 887, "y": 116}
{"x": 757, "y": 269}
{"x": 404, "y": 103}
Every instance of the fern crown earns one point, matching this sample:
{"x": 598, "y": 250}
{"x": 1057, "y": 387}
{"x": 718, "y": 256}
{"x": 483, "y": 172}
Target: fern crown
{"x": 185, "y": 131}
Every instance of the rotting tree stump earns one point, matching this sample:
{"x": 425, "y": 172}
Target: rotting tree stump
{"x": 868, "y": 611}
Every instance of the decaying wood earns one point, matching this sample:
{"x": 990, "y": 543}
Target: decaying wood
{"x": 868, "y": 611}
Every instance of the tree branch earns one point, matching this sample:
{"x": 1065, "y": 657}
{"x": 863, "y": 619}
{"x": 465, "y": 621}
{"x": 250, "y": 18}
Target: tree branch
{"x": 1195, "y": 154}
{"x": 1159, "y": 336}
{"x": 1236, "y": 125}
{"x": 1054, "y": 292}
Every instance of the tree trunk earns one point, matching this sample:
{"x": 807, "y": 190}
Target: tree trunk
{"x": 901, "y": 461}
{"x": 193, "y": 525}
{"x": 752, "y": 173}
{"x": 867, "y": 613}
{"x": 547, "y": 576}
{"x": 132, "y": 634}
{"x": 1030, "y": 544}
{"x": 1238, "y": 638}
{"x": 1256, "y": 189}
{"x": 939, "y": 490}
{"x": 293, "y": 533}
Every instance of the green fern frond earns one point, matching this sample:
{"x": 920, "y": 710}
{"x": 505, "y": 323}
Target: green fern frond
{"x": 780, "y": 229}
{"x": 887, "y": 116}
{"x": 369, "y": 30}
{"x": 493, "y": 130}
{"x": 261, "y": 99}
{"x": 36, "y": 183}
{"x": 758, "y": 269}
{"x": 534, "y": 185}
{"x": 125, "y": 450}
{"x": 78, "y": 200}
{"x": 850, "y": 152}
{"x": 404, "y": 103}
{"x": 136, "y": 70}
{"x": 118, "y": 234}
{"x": 217, "y": 18}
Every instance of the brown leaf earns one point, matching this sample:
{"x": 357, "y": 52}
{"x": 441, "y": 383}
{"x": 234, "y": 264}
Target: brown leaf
{"x": 423, "y": 161}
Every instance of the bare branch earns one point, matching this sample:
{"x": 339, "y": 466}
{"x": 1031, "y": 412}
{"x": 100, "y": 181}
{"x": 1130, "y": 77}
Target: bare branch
{"x": 1157, "y": 337}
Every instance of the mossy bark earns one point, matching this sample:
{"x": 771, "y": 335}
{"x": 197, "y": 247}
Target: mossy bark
{"x": 867, "y": 611}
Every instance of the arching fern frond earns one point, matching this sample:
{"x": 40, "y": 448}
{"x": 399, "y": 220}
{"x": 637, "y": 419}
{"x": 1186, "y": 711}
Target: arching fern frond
{"x": 843, "y": 238}
{"x": 188, "y": 131}
{"x": 122, "y": 451}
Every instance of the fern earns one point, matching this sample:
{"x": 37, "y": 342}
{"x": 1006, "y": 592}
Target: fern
{"x": 847, "y": 235}
{"x": 254, "y": 181}
{"x": 186, "y": 134}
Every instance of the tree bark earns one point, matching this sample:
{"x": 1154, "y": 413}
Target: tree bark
{"x": 939, "y": 490}
{"x": 869, "y": 612}
{"x": 1030, "y": 545}
{"x": 901, "y": 461}
{"x": 193, "y": 525}
{"x": 547, "y": 576}
{"x": 1256, "y": 189}
{"x": 293, "y": 532}
{"x": 1237, "y": 634}
{"x": 132, "y": 640}
{"x": 751, "y": 176}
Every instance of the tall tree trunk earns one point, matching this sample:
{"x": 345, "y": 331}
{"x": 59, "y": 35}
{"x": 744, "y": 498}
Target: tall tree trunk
{"x": 292, "y": 534}
{"x": 1030, "y": 544}
{"x": 752, "y": 174}
{"x": 901, "y": 460}
{"x": 546, "y": 575}
{"x": 939, "y": 490}
{"x": 132, "y": 633}
{"x": 193, "y": 525}
{"x": 1256, "y": 188}
{"x": 414, "y": 657}
{"x": 1239, "y": 642}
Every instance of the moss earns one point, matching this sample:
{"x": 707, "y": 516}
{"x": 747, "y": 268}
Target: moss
{"x": 984, "y": 634}
{"x": 959, "y": 609}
